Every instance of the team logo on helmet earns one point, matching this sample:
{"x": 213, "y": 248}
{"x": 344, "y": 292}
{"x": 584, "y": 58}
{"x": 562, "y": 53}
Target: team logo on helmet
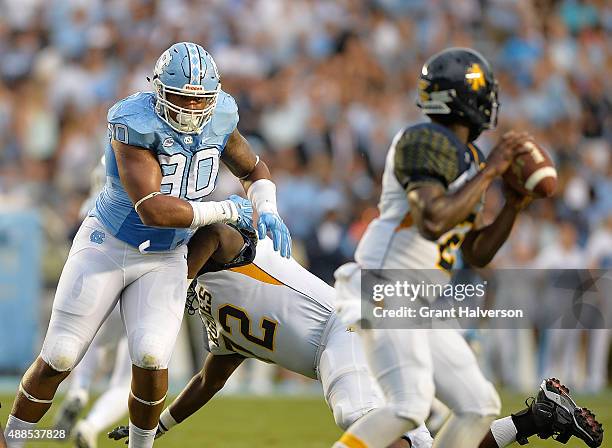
{"x": 162, "y": 62}
{"x": 475, "y": 77}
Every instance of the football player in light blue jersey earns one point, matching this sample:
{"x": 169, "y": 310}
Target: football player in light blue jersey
{"x": 162, "y": 161}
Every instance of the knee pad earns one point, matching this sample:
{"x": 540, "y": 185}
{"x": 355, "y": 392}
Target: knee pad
{"x": 149, "y": 351}
{"x": 345, "y": 414}
{"x": 62, "y": 353}
{"x": 414, "y": 404}
{"x": 413, "y": 411}
{"x": 485, "y": 403}
{"x": 493, "y": 403}
{"x": 411, "y": 400}
{"x": 351, "y": 395}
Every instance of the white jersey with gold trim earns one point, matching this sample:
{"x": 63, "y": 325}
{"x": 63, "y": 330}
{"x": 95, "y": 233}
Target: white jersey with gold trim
{"x": 391, "y": 241}
{"x": 272, "y": 309}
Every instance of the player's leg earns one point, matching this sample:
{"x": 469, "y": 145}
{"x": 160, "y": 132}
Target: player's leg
{"x": 88, "y": 288}
{"x": 77, "y": 395}
{"x": 152, "y": 308}
{"x": 438, "y": 414}
{"x": 347, "y": 384}
{"x": 552, "y": 412}
{"x": 349, "y": 389}
{"x": 80, "y": 379}
{"x": 597, "y": 359}
{"x": 402, "y": 366}
{"x": 463, "y": 388}
{"x": 112, "y": 404}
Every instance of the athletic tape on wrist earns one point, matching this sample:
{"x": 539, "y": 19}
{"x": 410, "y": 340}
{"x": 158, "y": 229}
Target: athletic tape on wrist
{"x": 166, "y": 421}
{"x": 262, "y": 193}
{"x": 32, "y": 398}
{"x": 210, "y": 212}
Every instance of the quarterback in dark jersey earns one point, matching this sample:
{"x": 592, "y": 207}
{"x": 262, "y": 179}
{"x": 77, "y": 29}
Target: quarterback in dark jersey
{"x": 433, "y": 186}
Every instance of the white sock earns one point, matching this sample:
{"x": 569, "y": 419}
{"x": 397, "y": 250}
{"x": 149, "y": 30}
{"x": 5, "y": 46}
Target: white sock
{"x": 14, "y": 426}
{"x": 166, "y": 421}
{"x": 504, "y": 432}
{"x": 377, "y": 429}
{"x": 110, "y": 407}
{"x": 141, "y": 438}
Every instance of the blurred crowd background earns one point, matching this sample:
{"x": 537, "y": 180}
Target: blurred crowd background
{"x": 322, "y": 87}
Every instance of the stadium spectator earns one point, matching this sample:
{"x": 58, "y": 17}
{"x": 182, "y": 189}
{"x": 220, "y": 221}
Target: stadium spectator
{"x": 323, "y": 85}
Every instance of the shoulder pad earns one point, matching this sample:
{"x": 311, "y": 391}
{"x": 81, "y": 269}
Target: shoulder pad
{"x": 440, "y": 137}
{"x": 225, "y": 117}
{"x": 133, "y": 121}
{"x": 426, "y": 152}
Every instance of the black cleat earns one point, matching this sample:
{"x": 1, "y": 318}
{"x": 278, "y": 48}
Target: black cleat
{"x": 120, "y": 432}
{"x": 558, "y": 416}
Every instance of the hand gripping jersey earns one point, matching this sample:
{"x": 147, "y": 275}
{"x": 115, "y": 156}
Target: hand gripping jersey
{"x": 189, "y": 165}
{"x": 426, "y": 152}
{"x": 272, "y": 309}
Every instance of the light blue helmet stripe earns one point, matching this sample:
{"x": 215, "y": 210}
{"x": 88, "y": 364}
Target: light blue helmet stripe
{"x": 194, "y": 64}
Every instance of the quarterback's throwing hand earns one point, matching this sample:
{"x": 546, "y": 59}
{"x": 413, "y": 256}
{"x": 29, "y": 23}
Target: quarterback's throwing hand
{"x": 271, "y": 222}
{"x": 510, "y": 146}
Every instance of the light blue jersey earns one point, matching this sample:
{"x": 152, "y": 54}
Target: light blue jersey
{"x": 189, "y": 164}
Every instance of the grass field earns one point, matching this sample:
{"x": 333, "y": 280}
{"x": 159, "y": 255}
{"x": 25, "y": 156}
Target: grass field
{"x": 232, "y": 422}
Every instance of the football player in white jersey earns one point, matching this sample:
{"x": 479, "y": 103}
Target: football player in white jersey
{"x": 162, "y": 161}
{"x": 274, "y": 310}
{"x": 433, "y": 185}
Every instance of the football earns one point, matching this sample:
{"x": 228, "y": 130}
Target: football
{"x": 533, "y": 172}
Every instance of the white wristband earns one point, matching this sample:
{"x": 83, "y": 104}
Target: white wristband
{"x": 205, "y": 213}
{"x": 166, "y": 421}
{"x": 262, "y": 194}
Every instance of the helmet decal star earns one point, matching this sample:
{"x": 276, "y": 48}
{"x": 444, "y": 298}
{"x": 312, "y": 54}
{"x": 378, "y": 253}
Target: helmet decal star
{"x": 475, "y": 77}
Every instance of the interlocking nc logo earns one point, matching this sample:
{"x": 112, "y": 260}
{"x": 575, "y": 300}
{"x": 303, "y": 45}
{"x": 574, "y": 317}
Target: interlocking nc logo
{"x": 162, "y": 62}
{"x": 97, "y": 237}
{"x": 475, "y": 77}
